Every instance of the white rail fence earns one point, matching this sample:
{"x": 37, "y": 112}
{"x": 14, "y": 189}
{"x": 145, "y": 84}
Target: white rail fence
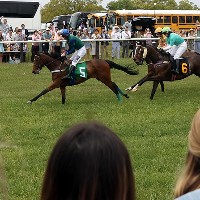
{"x": 84, "y": 40}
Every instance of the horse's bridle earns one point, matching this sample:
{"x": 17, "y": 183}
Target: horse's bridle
{"x": 39, "y": 67}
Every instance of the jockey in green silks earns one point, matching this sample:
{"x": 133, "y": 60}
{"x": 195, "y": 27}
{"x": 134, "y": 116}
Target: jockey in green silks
{"x": 76, "y": 46}
{"x": 176, "y": 46}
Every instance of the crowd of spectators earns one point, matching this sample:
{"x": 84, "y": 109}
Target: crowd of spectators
{"x": 51, "y": 40}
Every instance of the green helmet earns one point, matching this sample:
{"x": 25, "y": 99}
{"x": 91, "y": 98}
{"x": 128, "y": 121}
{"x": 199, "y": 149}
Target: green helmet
{"x": 166, "y": 29}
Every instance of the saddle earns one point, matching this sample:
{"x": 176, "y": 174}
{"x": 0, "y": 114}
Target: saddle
{"x": 182, "y": 65}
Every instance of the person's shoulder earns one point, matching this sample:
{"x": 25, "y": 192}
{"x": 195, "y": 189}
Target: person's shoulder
{"x": 194, "y": 195}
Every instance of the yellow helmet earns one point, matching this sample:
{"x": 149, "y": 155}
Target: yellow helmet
{"x": 158, "y": 30}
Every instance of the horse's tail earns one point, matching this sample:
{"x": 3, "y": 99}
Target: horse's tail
{"x": 128, "y": 70}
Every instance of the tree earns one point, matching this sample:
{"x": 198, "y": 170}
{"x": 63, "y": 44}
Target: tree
{"x": 187, "y": 5}
{"x": 151, "y": 5}
{"x": 121, "y": 4}
{"x": 64, "y": 7}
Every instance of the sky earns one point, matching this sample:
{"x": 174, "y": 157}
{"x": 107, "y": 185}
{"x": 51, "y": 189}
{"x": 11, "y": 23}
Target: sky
{"x": 105, "y": 2}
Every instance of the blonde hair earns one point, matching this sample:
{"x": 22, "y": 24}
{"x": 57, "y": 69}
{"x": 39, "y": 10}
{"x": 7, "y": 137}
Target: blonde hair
{"x": 190, "y": 177}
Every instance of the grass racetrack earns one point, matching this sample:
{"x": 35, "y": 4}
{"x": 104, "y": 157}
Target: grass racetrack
{"x": 155, "y": 132}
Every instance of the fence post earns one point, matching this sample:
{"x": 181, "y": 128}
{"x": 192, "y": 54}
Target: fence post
{"x": 21, "y": 53}
{"x": 97, "y": 49}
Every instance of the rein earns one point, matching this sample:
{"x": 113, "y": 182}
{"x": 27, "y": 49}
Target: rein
{"x": 57, "y": 70}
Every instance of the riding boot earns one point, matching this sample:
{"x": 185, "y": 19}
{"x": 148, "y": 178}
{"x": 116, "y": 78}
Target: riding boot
{"x": 173, "y": 64}
{"x": 72, "y": 67}
{"x": 177, "y": 66}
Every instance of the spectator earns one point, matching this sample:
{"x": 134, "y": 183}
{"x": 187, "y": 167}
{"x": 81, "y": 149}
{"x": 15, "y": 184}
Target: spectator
{"x": 104, "y": 44}
{"x": 190, "y": 42}
{"x": 25, "y": 32}
{"x": 35, "y": 45}
{"x": 5, "y": 26}
{"x": 188, "y": 183}
{"x": 85, "y": 35}
{"x": 9, "y": 46}
{"x": 95, "y": 35}
{"x": 91, "y": 30}
{"x": 126, "y": 34}
{"x": 1, "y": 46}
{"x": 116, "y": 44}
{"x": 57, "y": 44}
{"x": 89, "y": 162}
{"x": 18, "y": 37}
{"x": 148, "y": 34}
{"x": 46, "y": 36}
{"x": 197, "y": 41}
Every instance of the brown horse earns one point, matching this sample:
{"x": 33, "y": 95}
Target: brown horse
{"x": 99, "y": 69}
{"x": 159, "y": 67}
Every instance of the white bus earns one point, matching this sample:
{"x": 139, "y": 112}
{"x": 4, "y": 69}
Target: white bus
{"x": 22, "y": 12}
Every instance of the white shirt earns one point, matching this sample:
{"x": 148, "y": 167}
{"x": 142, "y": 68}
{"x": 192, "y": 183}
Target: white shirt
{"x": 126, "y": 34}
{"x": 115, "y": 35}
{"x": 194, "y": 195}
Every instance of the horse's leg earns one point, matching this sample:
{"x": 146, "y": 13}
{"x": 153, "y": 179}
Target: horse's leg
{"x": 120, "y": 91}
{"x": 139, "y": 83}
{"x": 63, "y": 93}
{"x": 39, "y": 95}
{"x": 113, "y": 86}
{"x": 54, "y": 85}
{"x": 162, "y": 86}
{"x": 155, "y": 86}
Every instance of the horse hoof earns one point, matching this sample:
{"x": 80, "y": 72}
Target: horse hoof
{"x": 126, "y": 96}
{"x": 128, "y": 89}
{"x": 29, "y": 102}
{"x": 134, "y": 90}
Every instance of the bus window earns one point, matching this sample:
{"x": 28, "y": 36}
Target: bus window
{"x": 159, "y": 20}
{"x": 167, "y": 19}
{"x": 196, "y": 19}
{"x": 92, "y": 22}
{"x": 119, "y": 21}
{"x": 113, "y": 20}
{"x": 129, "y": 18}
{"x": 98, "y": 22}
{"x": 181, "y": 19}
{"x": 174, "y": 19}
{"x": 123, "y": 20}
{"x": 189, "y": 19}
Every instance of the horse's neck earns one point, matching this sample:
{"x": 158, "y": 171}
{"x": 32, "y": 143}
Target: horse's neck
{"x": 52, "y": 64}
{"x": 153, "y": 56}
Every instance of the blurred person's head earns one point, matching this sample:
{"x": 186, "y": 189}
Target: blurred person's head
{"x": 190, "y": 177}
{"x": 89, "y": 162}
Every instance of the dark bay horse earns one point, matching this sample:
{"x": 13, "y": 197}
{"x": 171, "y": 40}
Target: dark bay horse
{"x": 99, "y": 69}
{"x": 159, "y": 67}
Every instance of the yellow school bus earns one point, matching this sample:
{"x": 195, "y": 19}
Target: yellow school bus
{"x": 175, "y": 19}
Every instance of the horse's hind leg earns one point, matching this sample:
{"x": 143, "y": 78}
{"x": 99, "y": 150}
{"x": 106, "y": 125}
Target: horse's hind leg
{"x": 115, "y": 89}
{"x": 63, "y": 93}
{"x": 162, "y": 86}
{"x": 155, "y": 86}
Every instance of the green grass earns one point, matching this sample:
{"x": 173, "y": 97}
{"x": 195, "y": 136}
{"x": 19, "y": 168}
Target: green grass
{"x": 155, "y": 132}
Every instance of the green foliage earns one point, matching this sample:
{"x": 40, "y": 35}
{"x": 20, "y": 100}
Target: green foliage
{"x": 121, "y": 4}
{"x": 151, "y": 5}
{"x": 155, "y": 132}
{"x": 64, "y": 7}
{"x": 187, "y": 5}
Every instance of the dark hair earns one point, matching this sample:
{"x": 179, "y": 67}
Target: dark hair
{"x": 89, "y": 162}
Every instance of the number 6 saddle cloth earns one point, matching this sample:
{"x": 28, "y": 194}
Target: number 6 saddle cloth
{"x": 184, "y": 66}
